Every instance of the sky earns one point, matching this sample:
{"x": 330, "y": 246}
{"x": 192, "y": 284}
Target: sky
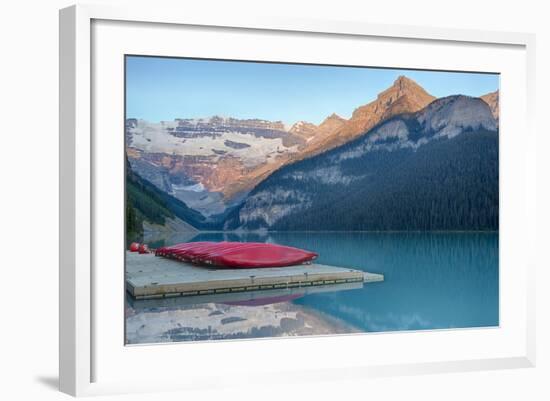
{"x": 162, "y": 89}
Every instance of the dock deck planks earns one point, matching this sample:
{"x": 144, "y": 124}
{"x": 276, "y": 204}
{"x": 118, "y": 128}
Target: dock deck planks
{"x": 148, "y": 276}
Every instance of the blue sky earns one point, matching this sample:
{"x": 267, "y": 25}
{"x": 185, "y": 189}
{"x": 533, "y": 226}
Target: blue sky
{"x": 162, "y": 89}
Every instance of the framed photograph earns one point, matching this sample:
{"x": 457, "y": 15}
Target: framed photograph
{"x": 261, "y": 198}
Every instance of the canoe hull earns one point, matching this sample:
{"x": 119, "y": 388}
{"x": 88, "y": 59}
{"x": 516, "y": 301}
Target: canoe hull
{"x": 237, "y": 255}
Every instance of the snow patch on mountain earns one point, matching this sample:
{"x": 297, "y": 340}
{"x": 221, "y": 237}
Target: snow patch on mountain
{"x": 161, "y": 138}
{"x": 193, "y": 188}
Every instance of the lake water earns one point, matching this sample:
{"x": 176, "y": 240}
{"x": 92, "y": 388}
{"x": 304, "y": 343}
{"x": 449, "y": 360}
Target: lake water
{"x": 431, "y": 281}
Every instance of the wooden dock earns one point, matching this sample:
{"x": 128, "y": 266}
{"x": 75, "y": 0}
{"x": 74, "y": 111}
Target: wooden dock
{"x": 149, "y": 277}
{"x": 243, "y": 298}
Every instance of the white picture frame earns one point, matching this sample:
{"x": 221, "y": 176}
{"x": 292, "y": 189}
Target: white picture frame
{"x": 83, "y": 344}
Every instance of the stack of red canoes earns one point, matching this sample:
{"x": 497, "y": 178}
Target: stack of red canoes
{"x": 235, "y": 255}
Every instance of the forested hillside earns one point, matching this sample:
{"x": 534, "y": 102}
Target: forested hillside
{"x": 145, "y": 202}
{"x": 436, "y": 169}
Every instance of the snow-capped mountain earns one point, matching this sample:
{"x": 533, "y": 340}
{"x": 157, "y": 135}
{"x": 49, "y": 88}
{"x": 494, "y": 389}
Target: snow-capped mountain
{"x": 211, "y": 164}
{"x": 201, "y": 161}
{"x": 251, "y": 141}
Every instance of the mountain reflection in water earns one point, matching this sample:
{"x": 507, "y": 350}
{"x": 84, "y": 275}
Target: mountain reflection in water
{"x": 431, "y": 281}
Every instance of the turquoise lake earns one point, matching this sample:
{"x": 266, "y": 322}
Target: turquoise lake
{"x": 431, "y": 281}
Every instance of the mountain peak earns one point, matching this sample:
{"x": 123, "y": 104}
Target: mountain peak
{"x": 303, "y": 128}
{"x": 331, "y": 124}
{"x": 333, "y": 116}
{"x": 402, "y": 80}
{"x": 404, "y": 86}
{"x": 404, "y": 96}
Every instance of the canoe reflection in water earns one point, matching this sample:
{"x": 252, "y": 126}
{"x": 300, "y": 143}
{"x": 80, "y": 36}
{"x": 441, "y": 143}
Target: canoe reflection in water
{"x": 254, "y": 314}
{"x": 265, "y": 301}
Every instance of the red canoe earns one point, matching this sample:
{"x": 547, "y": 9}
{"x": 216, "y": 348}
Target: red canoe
{"x": 235, "y": 255}
{"x": 143, "y": 248}
{"x": 179, "y": 251}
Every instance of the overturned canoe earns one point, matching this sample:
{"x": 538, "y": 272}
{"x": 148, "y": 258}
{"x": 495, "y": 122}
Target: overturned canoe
{"x": 236, "y": 255}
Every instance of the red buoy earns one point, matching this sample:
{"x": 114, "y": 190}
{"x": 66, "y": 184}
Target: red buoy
{"x": 143, "y": 248}
{"x": 134, "y": 247}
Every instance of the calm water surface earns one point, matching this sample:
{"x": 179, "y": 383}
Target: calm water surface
{"x": 431, "y": 281}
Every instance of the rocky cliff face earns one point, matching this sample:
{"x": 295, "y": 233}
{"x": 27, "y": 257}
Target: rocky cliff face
{"x": 425, "y": 160}
{"x": 492, "y": 99}
{"x": 452, "y": 115}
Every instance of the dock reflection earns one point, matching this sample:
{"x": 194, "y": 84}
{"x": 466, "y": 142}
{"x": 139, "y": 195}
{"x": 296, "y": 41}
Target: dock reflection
{"x": 248, "y": 298}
